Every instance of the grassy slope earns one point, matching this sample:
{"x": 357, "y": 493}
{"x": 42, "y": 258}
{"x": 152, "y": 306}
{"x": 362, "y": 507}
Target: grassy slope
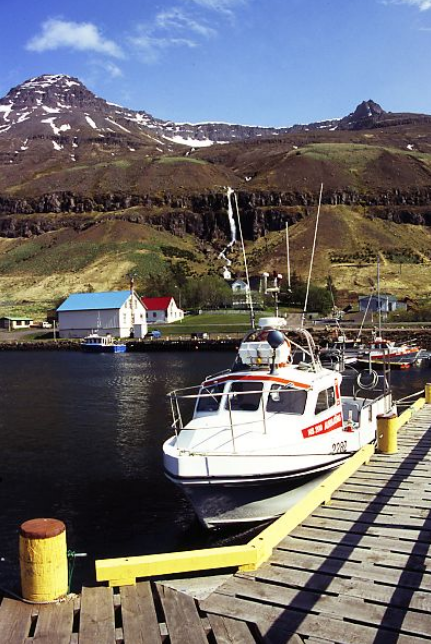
{"x": 347, "y": 247}
{"x": 36, "y": 272}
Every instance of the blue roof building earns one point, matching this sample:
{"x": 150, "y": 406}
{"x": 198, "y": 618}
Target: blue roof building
{"x": 94, "y": 301}
{"x": 117, "y": 313}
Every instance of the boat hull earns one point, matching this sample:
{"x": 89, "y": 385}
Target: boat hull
{"x": 113, "y": 348}
{"x": 394, "y": 360}
{"x": 225, "y": 502}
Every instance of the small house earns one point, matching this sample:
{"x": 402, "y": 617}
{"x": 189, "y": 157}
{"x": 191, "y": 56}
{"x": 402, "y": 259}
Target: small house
{"x": 15, "y": 323}
{"x": 374, "y": 303}
{"x": 117, "y": 313}
{"x": 162, "y": 310}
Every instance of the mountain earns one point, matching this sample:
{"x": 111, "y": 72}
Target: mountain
{"x": 90, "y": 190}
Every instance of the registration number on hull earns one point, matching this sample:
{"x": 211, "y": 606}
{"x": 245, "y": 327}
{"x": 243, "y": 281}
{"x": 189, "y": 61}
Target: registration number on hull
{"x": 339, "y": 448}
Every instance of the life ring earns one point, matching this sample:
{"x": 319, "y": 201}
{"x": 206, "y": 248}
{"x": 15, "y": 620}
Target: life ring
{"x": 289, "y": 358}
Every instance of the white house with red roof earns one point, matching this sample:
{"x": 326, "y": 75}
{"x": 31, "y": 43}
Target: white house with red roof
{"x": 162, "y": 310}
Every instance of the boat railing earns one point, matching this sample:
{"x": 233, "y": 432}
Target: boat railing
{"x": 181, "y": 397}
{"x": 310, "y": 349}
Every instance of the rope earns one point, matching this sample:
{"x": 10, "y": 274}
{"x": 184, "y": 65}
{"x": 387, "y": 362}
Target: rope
{"x": 10, "y": 593}
{"x": 367, "y": 386}
{"x": 418, "y": 393}
{"x": 71, "y": 556}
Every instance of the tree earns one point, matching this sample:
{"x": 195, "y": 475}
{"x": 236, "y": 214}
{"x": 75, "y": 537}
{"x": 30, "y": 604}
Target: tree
{"x": 207, "y": 291}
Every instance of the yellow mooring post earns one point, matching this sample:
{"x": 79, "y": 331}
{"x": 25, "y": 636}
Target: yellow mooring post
{"x": 43, "y": 560}
{"x": 387, "y": 434}
{"x": 428, "y": 393}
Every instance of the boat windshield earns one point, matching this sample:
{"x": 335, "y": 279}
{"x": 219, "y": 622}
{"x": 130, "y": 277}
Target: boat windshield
{"x": 209, "y": 398}
{"x": 285, "y": 400}
{"x": 245, "y": 396}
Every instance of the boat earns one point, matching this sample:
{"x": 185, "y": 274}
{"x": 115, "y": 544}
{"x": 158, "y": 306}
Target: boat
{"x": 95, "y": 343}
{"x": 341, "y": 351}
{"x": 382, "y": 351}
{"x": 268, "y": 426}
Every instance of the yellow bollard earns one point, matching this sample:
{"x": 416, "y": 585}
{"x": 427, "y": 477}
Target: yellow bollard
{"x": 43, "y": 560}
{"x": 428, "y": 393}
{"x": 387, "y": 434}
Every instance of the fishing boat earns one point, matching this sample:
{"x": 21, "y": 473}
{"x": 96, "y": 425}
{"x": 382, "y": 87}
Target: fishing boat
{"x": 95, "y": 343}
{"x": 266, "y": 426}
{"x": 381, "y": 352}
{"x": 340, "y": 352}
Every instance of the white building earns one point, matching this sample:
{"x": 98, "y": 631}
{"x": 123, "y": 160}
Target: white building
{"x": 119, "y": 313}
{"x": 162, "y": 310}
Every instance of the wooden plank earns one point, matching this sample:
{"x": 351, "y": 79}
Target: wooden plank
{"x": 381, "y": 495}
{"x": 372, "y": 517}
{"x": 373, "y": 542}
{"x": 182, "y": 617}
{"x": 405, "y": 511}
{"x": 97, "y": 622}
{"x": 307, "y": 600}
{"x": 352, "y": 569}
{"x": 359, "y": 527}
{"x": 408, "y": 561}
{"x": 230, "y": 631}
{"x": 140, "y": 623}
{"x": 15, "y": 621}
{"x": 54, "y": 623}
{"x": 273, "y": 620}
{"x": 361, "y": 588}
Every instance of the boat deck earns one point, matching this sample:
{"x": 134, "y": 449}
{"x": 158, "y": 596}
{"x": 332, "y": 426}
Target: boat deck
{"x": 357, "y": 570}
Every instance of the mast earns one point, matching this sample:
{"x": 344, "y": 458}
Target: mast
{"x": 312, "y": 256}
{"x": 379, "y": 309}
{"x": 288, "y": 257}
{"x": 249, "y": 297}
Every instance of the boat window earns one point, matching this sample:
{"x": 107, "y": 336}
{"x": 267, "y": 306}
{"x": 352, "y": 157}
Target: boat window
{"x": 325, "y": 399}
{"x": 209, "y": 398}
{"x": 285, "y": 400}
{"x": 245, "y": 396}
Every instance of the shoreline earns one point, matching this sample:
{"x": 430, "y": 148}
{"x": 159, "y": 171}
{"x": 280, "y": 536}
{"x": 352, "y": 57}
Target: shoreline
{"x": 422, "y": 336}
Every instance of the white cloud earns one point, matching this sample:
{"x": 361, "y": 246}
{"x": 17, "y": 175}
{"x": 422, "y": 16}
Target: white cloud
{"x": 178, "y": 20}
{"x": 222, "y": 6}
{"x": 84, "y": 36}
{"x": 178, "y": 27}
{"x": 151, "y": 47}
{"x": 110, "y": 68}
{"x": 422, "y": 5}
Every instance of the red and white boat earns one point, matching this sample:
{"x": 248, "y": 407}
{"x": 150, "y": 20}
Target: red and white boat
{"x": 264, "y": 428}
{"x": 382, "y": 352}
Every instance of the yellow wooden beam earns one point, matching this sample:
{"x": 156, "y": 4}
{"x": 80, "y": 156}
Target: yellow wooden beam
{"x": 404, "y": 418}
{"x": 124, "y": 571}
{"x": 279, "y": 529}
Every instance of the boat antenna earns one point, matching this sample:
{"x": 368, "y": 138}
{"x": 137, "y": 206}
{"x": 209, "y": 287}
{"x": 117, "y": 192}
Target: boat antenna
{"x": 249, "y": 298}
{"x": 312, "y": 255}
{"x": 288, "y": 258}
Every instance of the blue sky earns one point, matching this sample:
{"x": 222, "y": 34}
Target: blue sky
{"x": 263, "y": 62}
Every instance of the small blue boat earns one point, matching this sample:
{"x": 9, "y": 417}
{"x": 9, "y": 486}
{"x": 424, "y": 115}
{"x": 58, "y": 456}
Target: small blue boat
{"x": 95, "y": 343}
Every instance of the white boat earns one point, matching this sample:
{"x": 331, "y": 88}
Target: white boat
{"x": 95, "y": 343}
{"x": 264, "y": 428}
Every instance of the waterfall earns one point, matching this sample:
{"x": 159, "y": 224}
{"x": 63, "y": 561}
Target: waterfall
{"x": 222, "y": 255}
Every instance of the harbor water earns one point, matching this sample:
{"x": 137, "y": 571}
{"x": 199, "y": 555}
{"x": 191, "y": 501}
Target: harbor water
{"x": 81, "y": 440}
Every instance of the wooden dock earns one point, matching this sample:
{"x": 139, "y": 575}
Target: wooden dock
{"x": 356, "y": 571}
